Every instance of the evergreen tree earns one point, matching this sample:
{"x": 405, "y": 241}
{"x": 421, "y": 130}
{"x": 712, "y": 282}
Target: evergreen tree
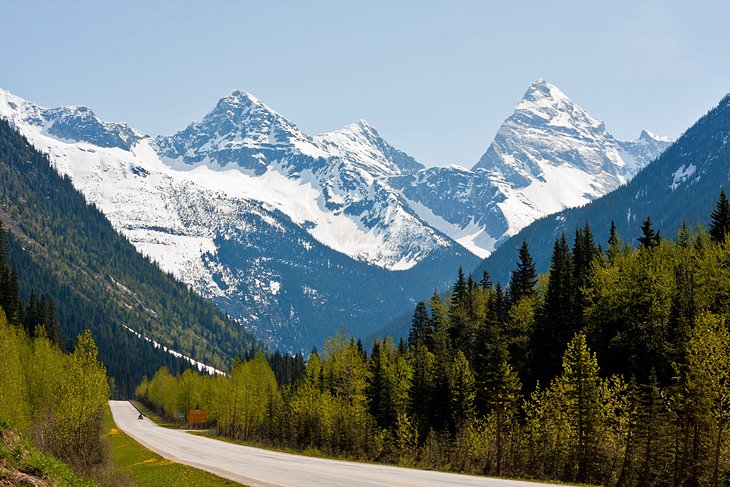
{"x": 556, "y": 323}
{"x": 583, "y": 386}
{"x": 584, "y": 254}
{"x": 442, "y": 350}
{"x": 614, "y": 244}
{"x": 720, "y": 223}
{"x": 684, "y": 239}
{"x": 524, "y": 278}
{"x": 486, "y": 282}
{"x": 53, "y": 329}
{"x": 422, "y": 392}
{"x": 499, "y": 385}
{"x": 420, "y": 326}
{"x": 462, "y": 392}
{"x": 439, "y": 341}
{"x": 461, "y": 288}
{"x": 649, "y": 238}
{"x": 471, "y": 284}
{"x": 379, "y": 386}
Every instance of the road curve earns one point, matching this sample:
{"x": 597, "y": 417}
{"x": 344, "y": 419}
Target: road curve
{"x": 259, "y": 467}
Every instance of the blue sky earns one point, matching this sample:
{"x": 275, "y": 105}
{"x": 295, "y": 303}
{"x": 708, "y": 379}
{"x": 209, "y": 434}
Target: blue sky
{"x": 435, "y": 78}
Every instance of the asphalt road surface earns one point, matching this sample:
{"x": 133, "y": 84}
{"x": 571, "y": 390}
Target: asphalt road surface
{"x": 259, "y": 467}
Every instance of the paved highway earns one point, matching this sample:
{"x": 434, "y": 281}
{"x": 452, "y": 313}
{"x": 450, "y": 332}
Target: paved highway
{"x": 259, "y": 467}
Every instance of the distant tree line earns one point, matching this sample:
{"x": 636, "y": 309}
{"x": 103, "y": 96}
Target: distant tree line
{"x": 613, "y": 369}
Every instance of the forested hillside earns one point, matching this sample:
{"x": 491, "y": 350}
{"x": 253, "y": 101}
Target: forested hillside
{"x": 611, "y": 369}
{"x": 65, "y": 252}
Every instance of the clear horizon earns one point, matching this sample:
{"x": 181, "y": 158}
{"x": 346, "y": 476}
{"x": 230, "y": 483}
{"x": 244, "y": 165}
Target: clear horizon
{"x": 435, "y": 79}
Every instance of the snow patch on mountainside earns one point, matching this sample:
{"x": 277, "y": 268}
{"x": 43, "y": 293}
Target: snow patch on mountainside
{"x": 682, "y": 174}
{"x": 200, "y": 366}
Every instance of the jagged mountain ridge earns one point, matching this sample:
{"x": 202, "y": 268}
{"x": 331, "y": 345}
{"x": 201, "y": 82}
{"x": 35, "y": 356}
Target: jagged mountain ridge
{"x": 244, "y": 181}
{"x": 214, "y": 229}
{"x": 550, "y": 154}
{"x": 342, "y": 201}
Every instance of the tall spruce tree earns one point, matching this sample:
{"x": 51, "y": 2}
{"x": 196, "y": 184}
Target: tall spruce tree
{"x": 720, "y": 223}
{"x": 422, "y": 392}
{"x": 499, "y": 385}
{"x": 649, "y": 238}
{"x": 614, "y": 244}
{"x": 461, "y": 288}
{"x": 524, "y": 278}
{"x": 486, "y": 282}
{"x": 584, "y": 255}
{"x": 583, "y": 388}
{"x": 462, "y": 392}
{"x": 556, "y": 323}
{"x": 420, "y": 326}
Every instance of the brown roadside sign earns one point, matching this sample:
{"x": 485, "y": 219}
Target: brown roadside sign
{"x": 197, "y": 416}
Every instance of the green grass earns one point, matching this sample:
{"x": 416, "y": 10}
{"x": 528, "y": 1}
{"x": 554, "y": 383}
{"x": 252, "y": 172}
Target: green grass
{"x": 18, "y": 458}
{"x": 147, "y": 468}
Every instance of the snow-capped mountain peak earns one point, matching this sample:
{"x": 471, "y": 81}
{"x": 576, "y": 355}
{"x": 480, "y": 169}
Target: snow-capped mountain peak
{"x": 241, "y": 130}
{"x": 74, "y": 123}
{"x": 548, "y": 155}
{"x": 648, "y": 136}
{"x": 360, "y": 144}
{"x": 547, "y": 103}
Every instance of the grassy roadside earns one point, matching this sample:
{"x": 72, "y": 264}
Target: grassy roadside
{"x": 152, "y": 416}
{"x": 147, "y": 468}
{"x": 21, "y": 463}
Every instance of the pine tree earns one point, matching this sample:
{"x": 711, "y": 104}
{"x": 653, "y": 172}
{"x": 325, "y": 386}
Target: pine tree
{"x": 524, "y": 278}
{"x": 422, "y": 392}
{"x": 486, "y": 282}
{"x": 499, "y": 385}
{"x": 614, "y": 244}
{"x": 460, "y": 290}
{"x": 649, "y": 238}
{"x": 53, "y": 329}
{"x": 462, "y": 391}
{"x": 31, "y": 316}
{"x": 439, "y": 342}
{"x": 379, "y": 386}
{"x": 497, "y": 305}
{"x": 720, "y": 223}
{"x": 684, "y": 240}
{"x": 556, "y": 323}
{"x": 420, "y": 326}
{"x": 584, "y": 253}
{"x": 582, "y": 386}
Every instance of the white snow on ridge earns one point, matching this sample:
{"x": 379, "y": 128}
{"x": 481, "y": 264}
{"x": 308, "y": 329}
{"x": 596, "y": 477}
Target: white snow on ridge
{"x": 200, "y": 366}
